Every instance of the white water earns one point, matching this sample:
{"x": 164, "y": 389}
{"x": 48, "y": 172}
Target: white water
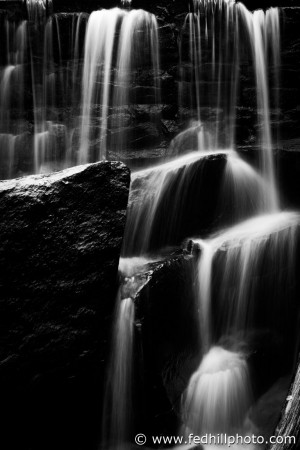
{"x": 149, "y": 188}
{"x": 243, "y": 190}
{"x": 218, "y": 395}
{"x": 209, "y": 88}
{"x": 242, "y": 193}
{"x": 97, "y": 81}
{"x": 54, "y": 87}
{"x": 77, "y": 86}
{"x": 244, "y": 248}
{"x": 262, "y": 28}
{"x": 138, "y": 35}
{"x": 38, "y": 9}
{"x": 117, "y": 420}
{"x": 213, "y": 28}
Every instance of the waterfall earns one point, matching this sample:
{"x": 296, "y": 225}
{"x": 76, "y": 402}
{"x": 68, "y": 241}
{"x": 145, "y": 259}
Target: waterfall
{"x": 12, "y": 81}
{"x": 243, "y": 191}
{"x": 8, "y": 148}
{"x": 12, "y": 75}
{"x": 162, "y": 189}
{"x": 243, "y": 249}
{"x": 138, "y": 35}
{"x": 239, "y": 261}
{"x": 168, "y": 190}
{"x": 38, "y": 9}
{"x": 117, "y": 417}
{"x": 209, "y": 88}
{"x": 262, "y": 29}
{"x": 212, "y": 28}
{"x": 55, "y": 86}
{"x": 72, "y": 92}
{"x": 219, "y": 394}
{"x": 80, "y": 92}
{"x": 99, "y": 83}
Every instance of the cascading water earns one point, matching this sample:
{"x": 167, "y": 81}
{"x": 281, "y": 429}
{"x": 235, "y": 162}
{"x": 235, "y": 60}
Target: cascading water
{"x": 38, "y": 9}
{"x": 83, "y": 71}
{"x": 118, "y": 407}
{"x": 55, "y": 88}
{"x": 118, "y": 410}
{"x": 49, "y": 52}
{"x": 151, "y": 190}
{"x": 97, "y": 76}
{"x": 218, "y": 395}
{"x": 263, "y": 32}
{"x": 240, "y": 255}
{"x": 209, "y": 88}
{"x": 131, "y": 55}
{"x": 137, "y": 34}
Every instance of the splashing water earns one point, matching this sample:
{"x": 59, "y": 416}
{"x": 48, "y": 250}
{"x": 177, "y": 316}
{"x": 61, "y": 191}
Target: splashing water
{"x": 218, "y": 395}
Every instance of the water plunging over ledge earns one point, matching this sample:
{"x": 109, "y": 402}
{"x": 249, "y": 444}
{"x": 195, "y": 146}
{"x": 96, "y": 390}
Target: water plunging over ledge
{"x": 83, "y": 88}
{"x": 81, "y": 94}
{"x": 219, "y": 395}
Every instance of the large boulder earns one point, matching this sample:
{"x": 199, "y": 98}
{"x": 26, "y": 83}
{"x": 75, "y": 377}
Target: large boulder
{"x": 60, "y": 240}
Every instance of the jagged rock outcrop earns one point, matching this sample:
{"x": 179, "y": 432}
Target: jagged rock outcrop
{"x": 60, "y": 240}
{"x": 287, "y": 433}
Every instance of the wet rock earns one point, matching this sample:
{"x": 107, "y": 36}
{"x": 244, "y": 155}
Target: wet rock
{"x": 188, "y": 203}
{"x": 61, "y": 236}
{"x": 164, "y": 306}
{"x": 288, "y": 429}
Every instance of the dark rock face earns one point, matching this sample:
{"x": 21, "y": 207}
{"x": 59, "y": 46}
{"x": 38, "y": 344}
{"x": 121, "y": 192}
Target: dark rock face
{"x": 164, "y": 307}
{"x": 60, "y": 242}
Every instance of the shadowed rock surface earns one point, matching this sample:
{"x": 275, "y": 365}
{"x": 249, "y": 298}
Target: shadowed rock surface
{"x": 60, "y": 240}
